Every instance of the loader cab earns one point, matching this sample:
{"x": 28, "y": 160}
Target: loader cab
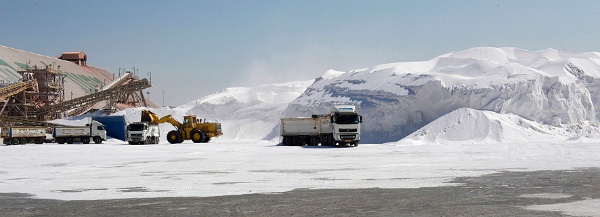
{"x": 190, "y": 121}
{"x": 27, "y": 76}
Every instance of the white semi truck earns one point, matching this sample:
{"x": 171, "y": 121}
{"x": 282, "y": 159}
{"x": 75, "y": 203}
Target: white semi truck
{"x": 23, "y": 135}
{"x": 94, "y": 131}
{"x": 143, "y": 133}
{"x": 340, "y": 127}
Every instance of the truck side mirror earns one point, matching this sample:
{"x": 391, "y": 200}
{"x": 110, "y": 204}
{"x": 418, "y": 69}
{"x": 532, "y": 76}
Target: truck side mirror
{"x": 360, "y": 119}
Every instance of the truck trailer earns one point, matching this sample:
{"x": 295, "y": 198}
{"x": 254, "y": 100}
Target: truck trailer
{"x": 143, "y": 133}
{"x": 341, "y": 127}
{"x": 23, "y": 135}
{"x": 94, "y": 131}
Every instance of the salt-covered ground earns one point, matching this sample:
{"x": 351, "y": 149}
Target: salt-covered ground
{"x": 459, "y": 139}
{"x": 232, "y": 167}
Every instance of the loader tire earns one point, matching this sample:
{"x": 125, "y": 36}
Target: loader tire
{"x": 174, "y": 137}
{"x": 198, "y": 136}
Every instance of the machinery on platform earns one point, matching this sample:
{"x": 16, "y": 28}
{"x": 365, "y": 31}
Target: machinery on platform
{"x": 25, "y": 107}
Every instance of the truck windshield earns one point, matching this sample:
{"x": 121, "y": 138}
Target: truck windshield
{"x": 347, "y": 119}
{"x": 135, "y": 127}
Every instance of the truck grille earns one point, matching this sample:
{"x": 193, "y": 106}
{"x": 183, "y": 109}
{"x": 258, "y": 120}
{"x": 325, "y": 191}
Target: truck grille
{"x": 347, "y": 136}
{"x": 347, "y": 130}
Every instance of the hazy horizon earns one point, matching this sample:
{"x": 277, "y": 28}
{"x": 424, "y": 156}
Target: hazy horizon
{"x": 195, "y": 48}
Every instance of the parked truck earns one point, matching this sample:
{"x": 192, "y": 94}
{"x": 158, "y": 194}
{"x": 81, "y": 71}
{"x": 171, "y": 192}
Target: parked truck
{"x": 23, "y": 135}
{"x": 94, "y": 131}
{"x": 143, "y": 133}
{"x": 340, "y": 127}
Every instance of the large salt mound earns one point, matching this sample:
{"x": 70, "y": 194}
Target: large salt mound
{"x": 548, "y": 86}
{"x": 467, "y": 125}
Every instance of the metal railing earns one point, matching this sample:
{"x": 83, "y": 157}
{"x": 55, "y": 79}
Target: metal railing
{"x": 85, "y": 101}
{"x": 16, "y": 88}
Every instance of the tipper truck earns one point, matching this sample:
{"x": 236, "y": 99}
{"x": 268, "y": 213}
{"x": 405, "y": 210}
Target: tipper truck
{"x": 23, "y": 135}
{"x": 143, "y": 133}
{"x": 340, "y": 127}
{"x": 94, "y": 131}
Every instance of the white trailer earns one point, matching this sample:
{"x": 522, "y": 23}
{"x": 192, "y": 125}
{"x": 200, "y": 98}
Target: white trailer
{"x": 143, "y": 133}
{"x": 23, "y": 135}
{"x": 94, "y": 131}
{"x": 340, "y": 127}
{"x": 300, "y": 131}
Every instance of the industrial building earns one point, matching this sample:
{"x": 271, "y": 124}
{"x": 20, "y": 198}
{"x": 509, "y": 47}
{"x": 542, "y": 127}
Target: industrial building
{"x": 36, "y": 88}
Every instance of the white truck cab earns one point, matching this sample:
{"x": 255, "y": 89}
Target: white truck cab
{"x": 143, "y": 133}
{"x": 345, "y": 124}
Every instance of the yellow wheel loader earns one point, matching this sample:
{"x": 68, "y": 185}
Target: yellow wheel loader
{"x": 192, "y": 128}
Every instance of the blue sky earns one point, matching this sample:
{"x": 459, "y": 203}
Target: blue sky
{"x": 195, "y": 48}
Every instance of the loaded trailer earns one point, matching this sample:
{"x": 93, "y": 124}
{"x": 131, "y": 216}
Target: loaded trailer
{"x": 95, "y": 131}
{"x": 341, "y": 127}
{"x": 23, "y": 135}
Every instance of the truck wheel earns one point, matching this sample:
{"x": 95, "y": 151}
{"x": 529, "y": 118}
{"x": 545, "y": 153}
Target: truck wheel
{"x": 198, "y": 136}
{"x": 146, "y": 141}
{"x": 60, "y": 140}
{"x": 296, "y": 141}
{"x": 314, "y": 141}
{"x": 23, "y": 141}
{"x": 324, "y": 141}
{"x": 174, "y": 137}
{"x": 85, "y": 140}
{"x": 39, "y": 141}
{"x": 331, "y": 140}
{"x": 69, "y": 140}
{"x": 97, "y": 140}
{"x": 14, "y": 141}
{"x": 327, "y": 140}
{"x": 156, "y": 140}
